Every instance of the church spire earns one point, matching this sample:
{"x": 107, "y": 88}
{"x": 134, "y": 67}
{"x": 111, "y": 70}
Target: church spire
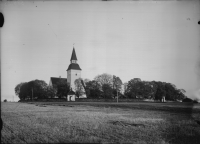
{"x": 73, "y": 57}
{"x": 73, "y": 60}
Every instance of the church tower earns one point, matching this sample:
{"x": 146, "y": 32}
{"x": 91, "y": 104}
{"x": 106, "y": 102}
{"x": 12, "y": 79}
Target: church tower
{"x": 73, "y": 71}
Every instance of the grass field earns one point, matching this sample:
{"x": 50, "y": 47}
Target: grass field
{"x": 100, "y": 122}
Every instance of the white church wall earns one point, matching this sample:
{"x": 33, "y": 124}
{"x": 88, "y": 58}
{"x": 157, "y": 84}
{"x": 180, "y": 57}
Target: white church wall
{"x": 72, "y": 75}
{"x": 69, "y": 77}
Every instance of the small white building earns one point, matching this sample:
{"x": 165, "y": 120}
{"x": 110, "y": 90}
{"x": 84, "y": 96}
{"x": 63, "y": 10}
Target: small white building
{"x": 163, "y": 99}
{"x": 71, "y": 96}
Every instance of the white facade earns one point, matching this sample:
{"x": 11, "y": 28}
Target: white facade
{"x": 72, "y": 75}
{"x": 71, "y": 98}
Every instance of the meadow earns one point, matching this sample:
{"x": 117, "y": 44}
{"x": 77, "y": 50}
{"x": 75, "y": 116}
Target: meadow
{"x": 100, "y": 122}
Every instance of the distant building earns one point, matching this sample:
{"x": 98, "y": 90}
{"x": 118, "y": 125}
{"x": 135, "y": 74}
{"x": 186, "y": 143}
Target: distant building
{"x": 71, "y": 96}
{"x": 73, "y": 73}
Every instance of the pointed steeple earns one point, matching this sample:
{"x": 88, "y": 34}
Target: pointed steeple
{"x": 73, "y": 57}
{"x": 73, "y": 60}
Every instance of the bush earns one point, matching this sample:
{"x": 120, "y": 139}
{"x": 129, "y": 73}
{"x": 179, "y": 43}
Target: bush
{"x": 5, "y": 100}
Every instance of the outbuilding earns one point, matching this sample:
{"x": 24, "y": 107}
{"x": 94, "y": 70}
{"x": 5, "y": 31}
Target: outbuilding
{"x": 71, "y": 96}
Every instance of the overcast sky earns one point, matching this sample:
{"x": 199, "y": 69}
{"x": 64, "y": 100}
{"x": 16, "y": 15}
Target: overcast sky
{"x": 150, "y": 40}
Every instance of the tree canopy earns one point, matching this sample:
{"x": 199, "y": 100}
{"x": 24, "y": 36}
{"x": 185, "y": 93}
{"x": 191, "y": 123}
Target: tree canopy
{"x": 62, "y": 88}
{"x": 38, "y": 89}
{"x": 153, "y": 90}
{"x": 117, "y": 85}
{"x": 103, "y": 86}
{"x": 107, "y": 91}
{"x": 79, "y": 89}
{"x": 31, "y": 90}
{"x": 93, "y": 89}
{"x": 104, "y": 79}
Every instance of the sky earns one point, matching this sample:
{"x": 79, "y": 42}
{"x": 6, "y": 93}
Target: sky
{"x": 151, "y": 40}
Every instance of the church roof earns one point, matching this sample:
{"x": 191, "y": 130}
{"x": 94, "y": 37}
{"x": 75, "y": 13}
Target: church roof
{"x": 74, "y": 66}
{"x": 71, "y": 92}
{"x": 73, "y": 57}
{"x": 55, "y": 80}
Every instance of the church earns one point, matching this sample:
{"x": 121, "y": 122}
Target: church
{"x": 73, "y": 73}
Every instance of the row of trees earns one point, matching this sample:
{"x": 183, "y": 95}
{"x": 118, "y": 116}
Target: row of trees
{"x": 38, "y": 89}
{"x": 107, "y": 86}
{"x": 103, "y": 86}
{"x": 153, "y": 90}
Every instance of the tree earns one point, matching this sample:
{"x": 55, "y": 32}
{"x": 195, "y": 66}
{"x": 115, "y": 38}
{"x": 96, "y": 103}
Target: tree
{"x": 182, "y": 91}
{"x": 51, "y": 92}
{"x": 23, "y": 92}
{"x": 79, "y": 89}
{"x": 135, "y": 88}
{"x": 86, "y": 81}
{"x": 31, "y": 90}
{"x": 104, "y": 79}
{"x": 160, "y": 91}
{"x": 179, "y": 94}
{"x": 5, "y": 100}
{"x": 84, "y": 86}
{"x": 93, "y": 89}
{"x": 37, "y": 89}
{"x": 170, "y": 91}
{"x": 148, "y": 90}
{"x": 153, "y": 89}
{"x": 137, "y": 80}
{"x": 62, "y": 88}
{"x": 117, "y": 85}
{"x": 107, "y": 91}
{"x": 129, "y": 92}
{"x": 17, "y": 88}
